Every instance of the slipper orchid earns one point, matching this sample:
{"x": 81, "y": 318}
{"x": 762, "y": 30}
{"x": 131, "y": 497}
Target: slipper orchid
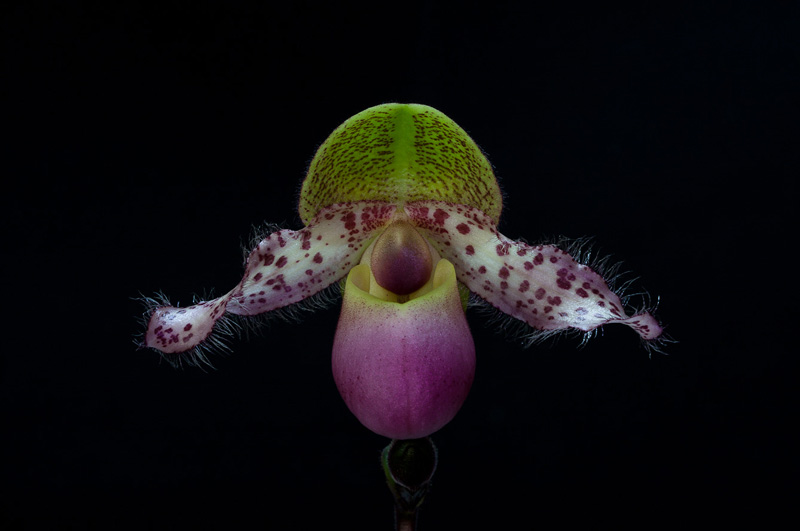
{"x": 402, "y": 204}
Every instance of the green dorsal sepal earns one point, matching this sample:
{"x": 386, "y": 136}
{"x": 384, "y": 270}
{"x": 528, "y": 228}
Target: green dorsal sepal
{"x": 398, "y": 153}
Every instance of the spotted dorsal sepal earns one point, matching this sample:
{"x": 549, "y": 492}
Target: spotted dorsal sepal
{"x": 541, "y": 285}
{"x": 285, "y": 267}
{"x": 399, "y": 153}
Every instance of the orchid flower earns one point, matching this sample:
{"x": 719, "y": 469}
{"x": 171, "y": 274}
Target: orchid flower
{"x": 402, "y": 205}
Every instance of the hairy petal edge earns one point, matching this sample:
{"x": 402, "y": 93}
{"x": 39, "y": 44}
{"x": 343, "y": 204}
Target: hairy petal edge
{"x": 285, "y": 267}
{"x": 541, "y": 285}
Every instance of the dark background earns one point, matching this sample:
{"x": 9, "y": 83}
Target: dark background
{"x": 145, "y": 143}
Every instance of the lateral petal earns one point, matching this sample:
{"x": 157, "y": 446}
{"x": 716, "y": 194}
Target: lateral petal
{"x": 541, "y": 285}
{"x": 285, "y": 267}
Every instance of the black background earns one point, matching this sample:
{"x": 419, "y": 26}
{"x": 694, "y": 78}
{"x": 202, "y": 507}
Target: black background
{"x": 145, "y": 143}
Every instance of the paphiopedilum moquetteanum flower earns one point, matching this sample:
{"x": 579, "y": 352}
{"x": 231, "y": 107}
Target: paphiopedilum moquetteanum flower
{"x": 401, "y": 202}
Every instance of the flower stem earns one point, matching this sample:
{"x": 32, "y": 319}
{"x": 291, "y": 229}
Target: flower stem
{"x": 405, "y": 520}
{"x": 409, "y": 466}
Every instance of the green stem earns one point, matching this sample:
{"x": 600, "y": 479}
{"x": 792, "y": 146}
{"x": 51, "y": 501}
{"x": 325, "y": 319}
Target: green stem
{"x": 405, "y": 520}
{"x": 409, "y": 466}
